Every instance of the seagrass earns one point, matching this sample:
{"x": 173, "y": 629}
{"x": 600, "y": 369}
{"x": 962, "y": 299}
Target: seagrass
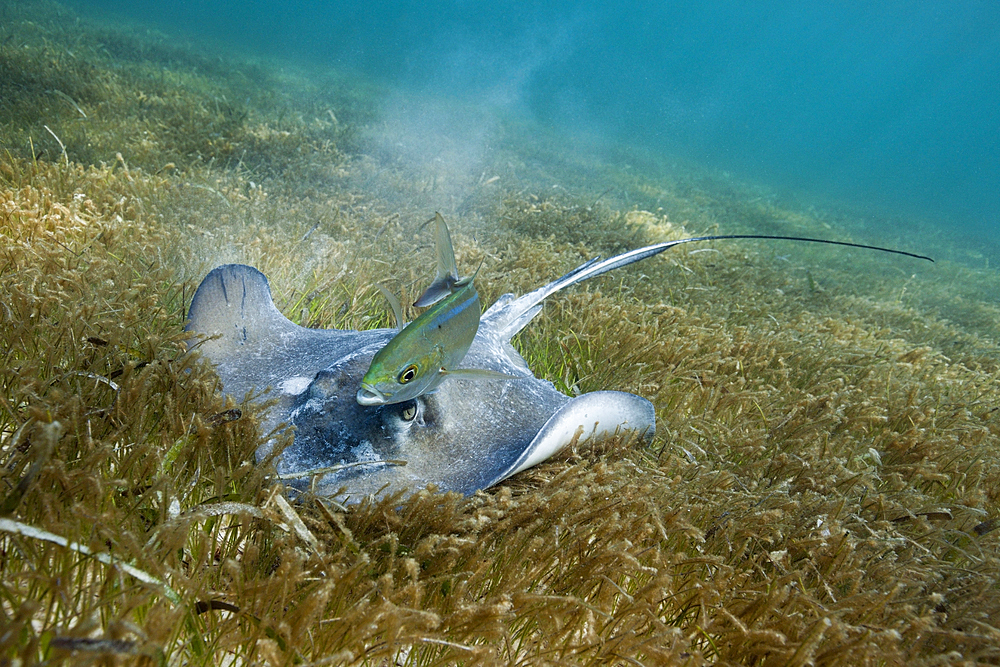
{"x": 822, "y": 489}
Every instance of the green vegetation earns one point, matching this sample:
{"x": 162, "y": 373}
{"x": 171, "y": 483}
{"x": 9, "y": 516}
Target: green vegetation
{"x": 823, "y": 487}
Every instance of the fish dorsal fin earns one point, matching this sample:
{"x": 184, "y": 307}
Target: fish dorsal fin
{"x": 446, "y": 278}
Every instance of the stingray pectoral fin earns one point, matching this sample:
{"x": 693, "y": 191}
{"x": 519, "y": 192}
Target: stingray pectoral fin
{"x": 235, "y": 325}
{"x": 596, "y": 415}
{"x": 234, "y": 303}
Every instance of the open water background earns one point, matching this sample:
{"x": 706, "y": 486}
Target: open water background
{"x": 893, "y": 107}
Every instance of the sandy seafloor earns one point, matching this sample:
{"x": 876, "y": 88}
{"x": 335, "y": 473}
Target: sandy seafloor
{"x": 822, "y": 488}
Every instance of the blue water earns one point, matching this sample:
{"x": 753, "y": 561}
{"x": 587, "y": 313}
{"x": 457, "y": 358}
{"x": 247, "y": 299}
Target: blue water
{"x": 893, "y": 105}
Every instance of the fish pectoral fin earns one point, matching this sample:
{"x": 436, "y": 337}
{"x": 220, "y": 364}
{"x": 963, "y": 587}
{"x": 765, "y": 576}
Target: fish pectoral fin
{"x": 480, "y": 374}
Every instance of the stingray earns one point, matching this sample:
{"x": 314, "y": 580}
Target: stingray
{"x": 469, "y": 434}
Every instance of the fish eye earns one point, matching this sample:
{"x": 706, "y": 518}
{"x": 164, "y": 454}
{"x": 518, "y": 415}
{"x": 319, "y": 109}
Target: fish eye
{"x": 409, "y": 411}
{"x": 408, "y": 374}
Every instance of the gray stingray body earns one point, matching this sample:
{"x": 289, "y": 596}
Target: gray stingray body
{"x": 467, "y": 435}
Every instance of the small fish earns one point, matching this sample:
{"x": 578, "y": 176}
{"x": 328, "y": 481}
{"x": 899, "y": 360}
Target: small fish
{"x": 429, "y": 348}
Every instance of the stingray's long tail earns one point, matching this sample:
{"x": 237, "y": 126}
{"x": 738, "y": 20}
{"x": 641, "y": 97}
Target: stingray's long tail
{"x": 516, "y": 314}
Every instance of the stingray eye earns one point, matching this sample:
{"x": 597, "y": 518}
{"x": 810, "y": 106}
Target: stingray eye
{"x": 409, "y": 411}
{"x": 408, "y": 374}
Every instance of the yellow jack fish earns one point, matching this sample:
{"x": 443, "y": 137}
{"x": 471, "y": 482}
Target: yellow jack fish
{"x": 429, "y": 348}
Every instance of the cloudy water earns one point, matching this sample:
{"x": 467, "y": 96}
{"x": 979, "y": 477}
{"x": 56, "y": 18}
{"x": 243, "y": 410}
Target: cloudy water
{"x": 893, "y": 106}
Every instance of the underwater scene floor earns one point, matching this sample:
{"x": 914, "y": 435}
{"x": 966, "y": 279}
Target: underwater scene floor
{"x": 822, "y": 487}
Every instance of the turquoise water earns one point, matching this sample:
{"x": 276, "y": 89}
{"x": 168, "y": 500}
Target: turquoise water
{"x": 893, "y": 106}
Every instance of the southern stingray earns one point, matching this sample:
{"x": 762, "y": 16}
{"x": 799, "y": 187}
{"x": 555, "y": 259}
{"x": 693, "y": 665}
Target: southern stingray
{"x": 469, "y": 434}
